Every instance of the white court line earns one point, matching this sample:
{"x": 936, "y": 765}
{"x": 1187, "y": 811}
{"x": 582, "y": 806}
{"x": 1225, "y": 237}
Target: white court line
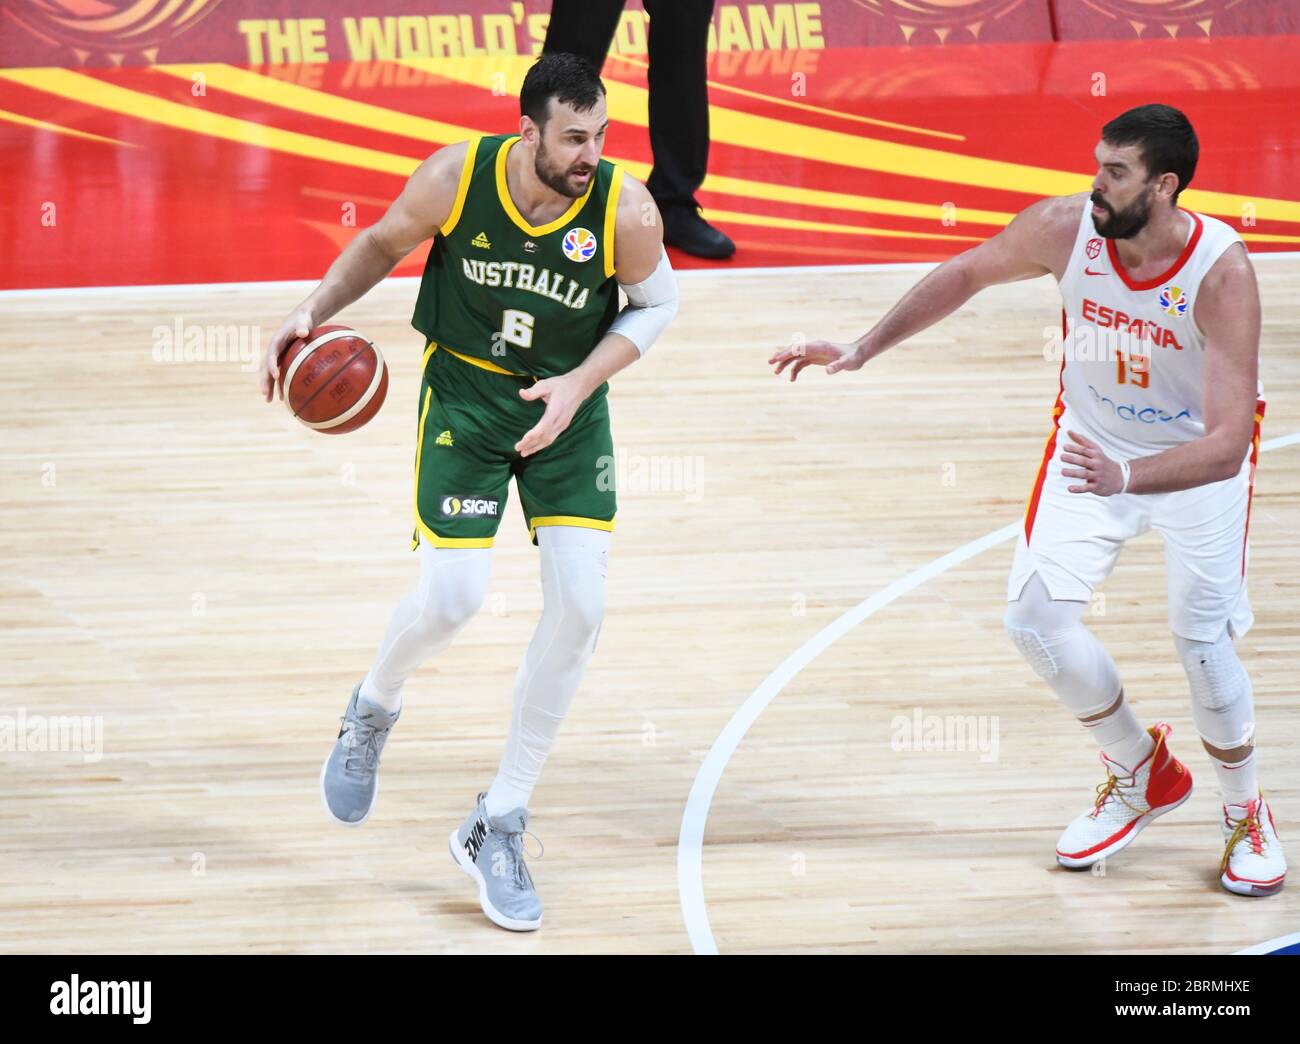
{"x": 690, "y": 273}
{"x": 1272, "y": 944}
{"x": 690, "y": 839}
{"x": 305, "y": 286}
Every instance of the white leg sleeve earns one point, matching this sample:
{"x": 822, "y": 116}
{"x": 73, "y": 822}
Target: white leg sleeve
{"x": 1223, "y": 705}
{"x": 453, "y": 583}
{"x": 573, "y": 592}
{"x": 1064, "y": 653}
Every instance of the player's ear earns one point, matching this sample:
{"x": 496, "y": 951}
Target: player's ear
{"x": 529, "y": 131}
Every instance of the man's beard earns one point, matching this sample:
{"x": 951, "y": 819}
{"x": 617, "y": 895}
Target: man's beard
{"x": 553, "y": 177}
{"x": 1122, "y": 224}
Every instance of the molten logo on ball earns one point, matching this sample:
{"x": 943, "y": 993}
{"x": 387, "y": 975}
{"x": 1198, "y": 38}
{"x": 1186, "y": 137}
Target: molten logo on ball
{"x": 334, "y": 380}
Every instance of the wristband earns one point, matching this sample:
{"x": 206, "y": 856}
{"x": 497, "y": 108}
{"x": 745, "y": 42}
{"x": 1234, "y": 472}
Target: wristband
{"x": 1125, "y": 472}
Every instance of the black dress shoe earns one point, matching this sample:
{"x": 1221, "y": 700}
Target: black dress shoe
{"x": 686, "y": 230}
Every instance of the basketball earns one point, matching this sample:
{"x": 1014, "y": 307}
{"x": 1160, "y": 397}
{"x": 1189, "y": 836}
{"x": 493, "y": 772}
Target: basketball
{"x": 333, "y": 381}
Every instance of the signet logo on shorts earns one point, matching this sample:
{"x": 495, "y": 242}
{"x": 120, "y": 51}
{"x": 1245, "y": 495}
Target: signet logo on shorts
{"x": 469, "y": 507}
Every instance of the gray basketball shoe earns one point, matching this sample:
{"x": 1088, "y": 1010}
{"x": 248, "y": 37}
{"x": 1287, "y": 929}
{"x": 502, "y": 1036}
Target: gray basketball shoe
{"x": 349, "y": 779}
{"x": 491, "y": 851}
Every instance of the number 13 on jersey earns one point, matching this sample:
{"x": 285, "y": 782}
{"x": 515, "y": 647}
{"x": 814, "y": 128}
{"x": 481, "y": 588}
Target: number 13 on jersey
{"x": 1137, "y": 372}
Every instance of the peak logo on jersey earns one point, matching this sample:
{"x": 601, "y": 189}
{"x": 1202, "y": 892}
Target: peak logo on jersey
{"x": 1093, "y": 249}
{"x": 1174, "y": 301}
{"x": 530, "y": 247}
{"x": 469, "y": 507}
{"x": 444, "y": 439}
{"x": 579, "y": 244}
{"x": 481, "y": 240}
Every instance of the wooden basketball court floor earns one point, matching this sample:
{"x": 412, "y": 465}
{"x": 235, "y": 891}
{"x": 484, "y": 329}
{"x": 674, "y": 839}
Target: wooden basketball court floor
{"x": 208, "y": 579}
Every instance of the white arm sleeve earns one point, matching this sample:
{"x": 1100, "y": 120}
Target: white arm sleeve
{"x": 651, "y": 305}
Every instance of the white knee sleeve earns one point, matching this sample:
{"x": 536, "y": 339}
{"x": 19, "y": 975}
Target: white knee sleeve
{"x": 1061, "y": 650}
{"x": 574, "y": 562}
{"x": 573, "y": 588}
{"x": 1223, "y": 705}
{"x": 1035, "y": 651}
{"x": 453, "y": 584}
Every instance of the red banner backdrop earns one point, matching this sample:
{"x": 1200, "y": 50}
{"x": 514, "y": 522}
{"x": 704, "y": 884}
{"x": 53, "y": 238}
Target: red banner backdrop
{"x": 134, "y": 32}
{"x": 1161, "y": 19}
{"x": 256, "y": 32}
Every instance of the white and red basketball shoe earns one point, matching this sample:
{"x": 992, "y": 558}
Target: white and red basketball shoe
{"x": 1125, "y": 803}
{"x": 1253, "y": 863}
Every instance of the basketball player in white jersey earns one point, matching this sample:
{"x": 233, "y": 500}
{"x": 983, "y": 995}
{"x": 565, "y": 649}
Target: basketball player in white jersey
{"x": 1156, "y": 425}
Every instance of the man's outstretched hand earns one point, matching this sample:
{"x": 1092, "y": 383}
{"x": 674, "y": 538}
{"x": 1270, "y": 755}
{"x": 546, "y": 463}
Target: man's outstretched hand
{"x": 834, "y": 357}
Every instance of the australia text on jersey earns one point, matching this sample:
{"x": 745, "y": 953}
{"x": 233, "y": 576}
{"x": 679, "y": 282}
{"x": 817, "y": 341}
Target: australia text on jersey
{"x": 519, "y": 276}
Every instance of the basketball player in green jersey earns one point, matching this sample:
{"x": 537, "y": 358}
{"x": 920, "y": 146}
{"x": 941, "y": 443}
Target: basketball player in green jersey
{"x": 533, "y": 235}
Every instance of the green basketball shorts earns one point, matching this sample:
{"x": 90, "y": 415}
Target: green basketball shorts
{"x": 471, "y": 416}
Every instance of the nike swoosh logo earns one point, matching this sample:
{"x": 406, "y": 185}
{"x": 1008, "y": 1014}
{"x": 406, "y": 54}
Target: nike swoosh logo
{"x": 1089, "y": 271}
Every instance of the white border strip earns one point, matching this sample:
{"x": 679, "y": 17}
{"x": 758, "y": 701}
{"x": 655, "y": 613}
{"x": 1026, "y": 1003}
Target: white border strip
{"x": 690, "y": 839}
{"x": 307, "y": 285}
{"x": 311, "y": 284}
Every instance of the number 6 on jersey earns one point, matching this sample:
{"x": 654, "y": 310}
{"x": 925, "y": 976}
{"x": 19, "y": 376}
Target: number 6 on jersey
{"x": 517, "y": 327}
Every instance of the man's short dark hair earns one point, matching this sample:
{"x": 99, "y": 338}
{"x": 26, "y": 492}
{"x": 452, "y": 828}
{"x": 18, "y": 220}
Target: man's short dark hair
{"x": 1165, "y": 140}
{"x": 567, "y": 78}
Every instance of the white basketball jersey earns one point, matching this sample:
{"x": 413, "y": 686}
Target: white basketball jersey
{"x": 1134, "y": 356}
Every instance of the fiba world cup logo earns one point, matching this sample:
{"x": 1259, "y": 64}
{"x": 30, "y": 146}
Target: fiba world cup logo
{"x": 1165, "y": 13}
{"x": 1173, "y": 301}
{"x": 940, "y": 17}
{"x": 943, "y": 18}
{"x": 579, "y": 244}
{"x": 114, "y": 28}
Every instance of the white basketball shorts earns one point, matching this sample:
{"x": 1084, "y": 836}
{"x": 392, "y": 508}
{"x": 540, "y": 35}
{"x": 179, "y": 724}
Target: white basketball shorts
{"x": 1073, "y": 539}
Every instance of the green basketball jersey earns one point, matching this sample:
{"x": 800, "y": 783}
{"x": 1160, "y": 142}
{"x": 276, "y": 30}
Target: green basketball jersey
{"x": 531, "y": 300}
